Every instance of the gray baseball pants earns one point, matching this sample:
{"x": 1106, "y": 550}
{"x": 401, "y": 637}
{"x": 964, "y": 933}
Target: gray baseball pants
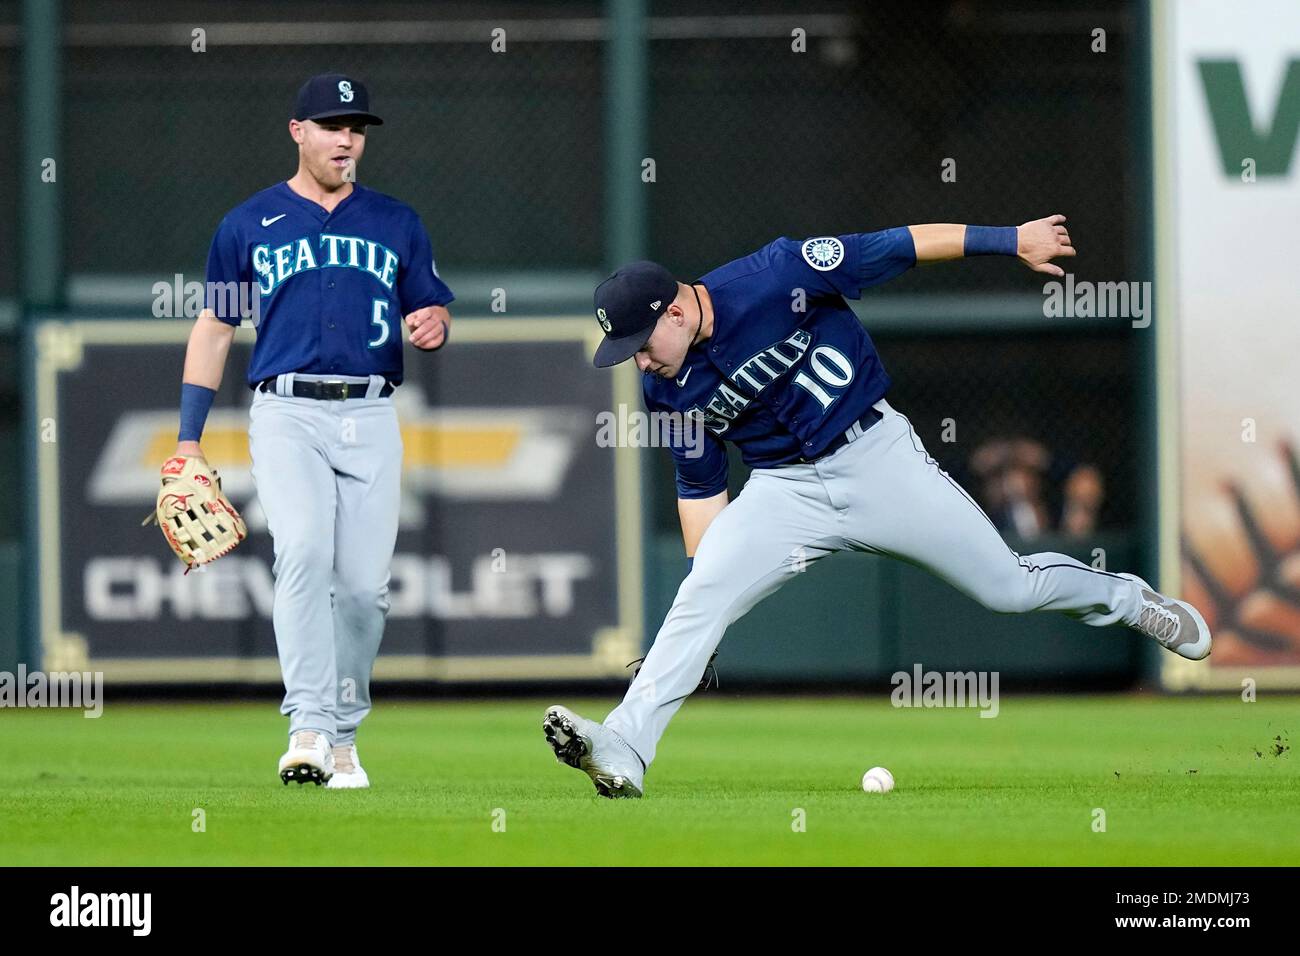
{"x": 882, "y": 494}
{"x": 328, "y": 478}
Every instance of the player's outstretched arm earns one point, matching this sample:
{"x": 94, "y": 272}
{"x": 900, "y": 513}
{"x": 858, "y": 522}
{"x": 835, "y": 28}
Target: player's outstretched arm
{"x": 205, "y": 361}
{"x": 1035, "y": 243}
{"x": 429, "y": 327}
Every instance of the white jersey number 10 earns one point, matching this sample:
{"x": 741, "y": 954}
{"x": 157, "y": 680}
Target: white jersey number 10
{"x": 832, "y": 367}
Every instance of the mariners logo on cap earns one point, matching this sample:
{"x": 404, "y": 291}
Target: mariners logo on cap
{"x": 345, "y": 91}
{"x": 604, "y": 322}
{"x": 823, "y": 253}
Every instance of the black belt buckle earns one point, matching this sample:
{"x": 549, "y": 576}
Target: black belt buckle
{"x": 335, "y": 391}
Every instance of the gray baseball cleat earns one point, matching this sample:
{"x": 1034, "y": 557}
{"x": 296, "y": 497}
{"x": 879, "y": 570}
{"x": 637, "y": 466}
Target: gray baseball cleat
{"x": 596, "y": 750}
{"x": 1175, "y": 625}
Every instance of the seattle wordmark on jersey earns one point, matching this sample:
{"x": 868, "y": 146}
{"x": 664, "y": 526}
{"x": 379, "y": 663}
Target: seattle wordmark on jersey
{"x": 728, "y": 402}
{"x": 275, "y": 265}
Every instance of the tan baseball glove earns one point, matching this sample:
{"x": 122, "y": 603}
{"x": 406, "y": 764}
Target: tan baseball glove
{"x": 196, "y": 517}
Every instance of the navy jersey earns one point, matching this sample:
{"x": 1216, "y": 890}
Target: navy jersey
{"x": 789, "y": 367}
{"x": 333, "y": 286}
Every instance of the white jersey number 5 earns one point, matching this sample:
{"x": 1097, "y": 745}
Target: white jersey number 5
{"x": 380, "y": 318}
{"x": 832, "y": 367}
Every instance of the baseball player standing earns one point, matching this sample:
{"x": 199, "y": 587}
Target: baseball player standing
{"x": 764, "y": 352}
{"x": 334, "y": 265}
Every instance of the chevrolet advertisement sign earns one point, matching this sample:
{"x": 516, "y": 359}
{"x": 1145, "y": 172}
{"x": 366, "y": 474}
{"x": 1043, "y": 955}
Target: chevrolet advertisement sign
{"x": 518, "y": 553}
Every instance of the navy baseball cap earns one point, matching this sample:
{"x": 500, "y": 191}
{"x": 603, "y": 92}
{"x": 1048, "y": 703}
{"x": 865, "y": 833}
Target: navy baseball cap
{"x": 628, "y": 304}
{"x": 334, "y": 94}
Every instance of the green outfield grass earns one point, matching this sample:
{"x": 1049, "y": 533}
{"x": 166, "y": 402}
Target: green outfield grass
{"x": 1182, "y": 781}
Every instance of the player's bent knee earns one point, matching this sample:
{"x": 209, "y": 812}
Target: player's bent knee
{"x": 1016, "y": 600}
{"x": 707, "y": 582}
{"x": 1005, "y": 593}
{"x": 359, "y": 602}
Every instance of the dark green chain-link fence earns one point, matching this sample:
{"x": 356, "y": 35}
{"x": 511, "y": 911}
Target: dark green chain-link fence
{"x": 754, "y": 140}
{"x": 504, "y": 154}
{"x": 499, "y": 152}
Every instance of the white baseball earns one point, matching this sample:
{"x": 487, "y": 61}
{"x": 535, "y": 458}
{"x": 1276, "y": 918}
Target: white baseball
{"x": 877, "y": 780}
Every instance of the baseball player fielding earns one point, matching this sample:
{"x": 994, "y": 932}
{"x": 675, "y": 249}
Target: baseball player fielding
{"x": 765, "y": 353}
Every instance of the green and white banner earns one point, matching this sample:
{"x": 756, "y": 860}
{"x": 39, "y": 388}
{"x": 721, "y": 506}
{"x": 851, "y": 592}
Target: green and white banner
{"x": 1226, "y": 96}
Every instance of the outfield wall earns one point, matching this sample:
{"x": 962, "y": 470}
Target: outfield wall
{"x": 529, "y": 549}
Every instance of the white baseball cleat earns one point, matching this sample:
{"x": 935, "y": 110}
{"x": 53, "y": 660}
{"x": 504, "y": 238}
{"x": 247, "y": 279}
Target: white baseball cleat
{"x": 308, "y": 759}
{"x": 348, "y": 772}
{"x": 596, "y": 750}
{"x": 1174, "y": 625}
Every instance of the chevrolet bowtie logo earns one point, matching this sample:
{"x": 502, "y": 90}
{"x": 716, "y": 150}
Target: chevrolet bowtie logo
{"x": 464, "y": 454}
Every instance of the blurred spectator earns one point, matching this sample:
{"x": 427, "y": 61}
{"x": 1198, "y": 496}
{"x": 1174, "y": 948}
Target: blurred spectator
{"x": 1019, "y": 482}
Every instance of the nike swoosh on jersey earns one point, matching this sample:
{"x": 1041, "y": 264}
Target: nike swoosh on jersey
{"x": 682, "y": 381}
{"x": 273, "y": 219}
